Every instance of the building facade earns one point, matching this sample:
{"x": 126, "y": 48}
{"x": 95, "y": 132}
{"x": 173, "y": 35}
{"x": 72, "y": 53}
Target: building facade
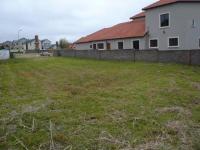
{"x": 31, "y": 45}
{"x": 164, "y": 25}
{"x": 45, "y": 44}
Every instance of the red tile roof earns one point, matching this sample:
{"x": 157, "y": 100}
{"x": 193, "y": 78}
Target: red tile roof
{"x": 137, "y": 16}
{"x": 135, "y": 28}
{"x": 167, "y": 2}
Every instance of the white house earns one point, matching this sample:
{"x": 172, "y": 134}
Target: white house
{"x": 31, "y": 45}
{"x": 45, "y": 44}
{"x": 163, "y": 25}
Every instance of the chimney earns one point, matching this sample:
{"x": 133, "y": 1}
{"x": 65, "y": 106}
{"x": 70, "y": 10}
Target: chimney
{"x": 37, "y": 43}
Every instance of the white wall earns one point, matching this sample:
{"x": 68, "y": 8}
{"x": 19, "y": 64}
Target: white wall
{"x": 128, "y": 44}
{"x": 181, "y": 18}
{"x": 31, "y": 46}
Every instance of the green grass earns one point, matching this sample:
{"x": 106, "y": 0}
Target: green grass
{"x": 98, "y": 104}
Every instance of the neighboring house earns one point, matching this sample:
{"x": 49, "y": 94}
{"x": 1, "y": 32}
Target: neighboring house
{"x": 31, "y": 45}
{"x": 72, "y": 46}
{"x": 45, "y": 44}
{"x": 7, "y": 44}
{"x": 164, "y": 25}
{"x": 18, "y": 44}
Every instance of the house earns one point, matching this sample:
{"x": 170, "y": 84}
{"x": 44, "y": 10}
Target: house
{"x": 45, "y": 44}
{"x": 18, "y": 44}
{"x": 163, "y": 25}
{"x": 71, "y": 46}
{"x": 36, "y": 44}
{"x": 7, "y": 44}
{"x": 31, "y": 45}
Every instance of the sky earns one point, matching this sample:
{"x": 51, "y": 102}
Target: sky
{"x": 56, "y": 19}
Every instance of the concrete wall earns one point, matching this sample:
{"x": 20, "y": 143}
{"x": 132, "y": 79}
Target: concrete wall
{"x": 181, "y": 20}
{"x": 175, "y": 56}
{"x": 39, "y": 51}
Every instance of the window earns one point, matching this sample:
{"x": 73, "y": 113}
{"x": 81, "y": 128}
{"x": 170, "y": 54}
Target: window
{"x": 100, "y": 45}
{"x": 90, "y": 46}
{"x": 120, "y": 45}
{"x": 173, "y": 42}
{"x": 164, "y": 20}
{"x": 136, "y": 45}
{"x": 153, "y": 43}
{"x": 94, "y": 46}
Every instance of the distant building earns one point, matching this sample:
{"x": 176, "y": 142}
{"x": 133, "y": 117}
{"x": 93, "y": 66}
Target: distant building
{"x": 7, "y": 44}
{"x": 28, "y": 44}
{"x": 31, "y": 45}
{"x": 45, "y": 44}
{"x": 18, "y": 44}
{"x": 72, "y": 46}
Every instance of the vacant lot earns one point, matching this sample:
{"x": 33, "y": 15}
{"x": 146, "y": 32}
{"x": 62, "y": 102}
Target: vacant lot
{"x": 60, "y": 103}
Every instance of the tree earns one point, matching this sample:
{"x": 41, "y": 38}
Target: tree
{"x": 63, "y": 43}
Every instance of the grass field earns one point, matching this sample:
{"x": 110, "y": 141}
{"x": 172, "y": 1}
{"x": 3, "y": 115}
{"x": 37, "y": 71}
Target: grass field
{"x": 87, "y": 104}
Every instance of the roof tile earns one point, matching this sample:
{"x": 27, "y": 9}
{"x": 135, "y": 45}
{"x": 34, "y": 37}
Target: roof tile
{"x": 135, "y": 28}
{"x": 166, "y": 2}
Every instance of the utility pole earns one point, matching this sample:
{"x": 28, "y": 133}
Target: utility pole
{"x": 18, "y": 44}
{"x": 19, "y": 32}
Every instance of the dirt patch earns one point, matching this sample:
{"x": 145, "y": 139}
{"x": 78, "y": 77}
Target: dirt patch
{"x": 74, "y": 90}
{"x": 196, "y": 85}
{"x": 196, "y": 102}
{"x": 31, "y": 108}
{"x": 152, "y": 145}
{"x": 106, "y": 138}
{"x": 26, "y": 74}
{"x": 117, "y": 115}
{"x": 179, "y": 110}
{"x": 181, "y": 129}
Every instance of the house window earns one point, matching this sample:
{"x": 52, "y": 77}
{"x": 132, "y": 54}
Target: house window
{"x": 120, "y": 45}
{"x": 136, "y": 45}
{"x": 100, "y": 45}
{"x": 91, "y": 46}
{"x": 153, "y": 43}
{"x": 94, "y": 46}
{"x": 173, "y": 42}
{"x": 164, "y": 20}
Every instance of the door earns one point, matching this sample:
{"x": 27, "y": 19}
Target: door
{"x": 108, "y": 46}
{"x": 136, "y": 45}
{"x": 94, "y": 46}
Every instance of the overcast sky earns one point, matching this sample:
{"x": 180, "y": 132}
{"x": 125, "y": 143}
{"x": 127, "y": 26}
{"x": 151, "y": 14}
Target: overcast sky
{"x": 70, "y": 19}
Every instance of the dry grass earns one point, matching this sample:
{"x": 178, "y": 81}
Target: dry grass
{"x": 73, "y": 104}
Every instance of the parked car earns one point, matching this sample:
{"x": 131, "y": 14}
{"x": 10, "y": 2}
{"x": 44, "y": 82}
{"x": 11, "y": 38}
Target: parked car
{"x": 45, "y": 54}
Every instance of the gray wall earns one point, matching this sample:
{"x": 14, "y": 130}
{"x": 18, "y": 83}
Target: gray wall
{"x": 181, "y": 18}
{"x": 175, "y": 56}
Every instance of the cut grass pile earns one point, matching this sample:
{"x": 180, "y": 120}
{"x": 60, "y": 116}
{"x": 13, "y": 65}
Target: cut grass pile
{"x": 88, "y": 104}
